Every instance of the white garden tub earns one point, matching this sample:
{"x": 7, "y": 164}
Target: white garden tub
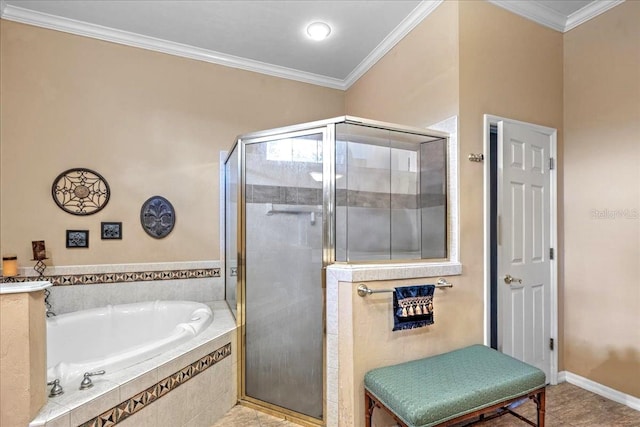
{"x": 118, "y": 336}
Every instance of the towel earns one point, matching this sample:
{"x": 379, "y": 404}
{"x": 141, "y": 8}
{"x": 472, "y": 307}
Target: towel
{"x": 413, "y": 307}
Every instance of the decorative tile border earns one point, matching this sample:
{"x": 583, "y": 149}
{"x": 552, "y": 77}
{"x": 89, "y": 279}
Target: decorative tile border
{"x": 127, "y": 408}
{"x": 121, "y": 277}
{"x": 352, "y": 198}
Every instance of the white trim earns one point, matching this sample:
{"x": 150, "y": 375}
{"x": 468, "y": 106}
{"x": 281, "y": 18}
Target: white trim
{"x": 562, "y": 376}
{"x": 72, "y": 26}
{"x": 554, "y": 263}
{"x": 548, "y": 17}
{"x": 450, "y": 127}
{"x": 418, "y": 14}
{"x": 588, "y": 12}
{"x": 486, "y": 207}
{"x": 601, "y": 390}
{"x": 552, "y": 133}
{"x": 535, "y": 12}
{"x": 126, "y": 38}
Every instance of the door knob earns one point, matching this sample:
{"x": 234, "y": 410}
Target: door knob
{"x": 508, "y": 279}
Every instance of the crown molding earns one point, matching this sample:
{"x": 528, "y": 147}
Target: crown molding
{"x": 417, "y": 15}
{"x": 550, "y": 18}
{"x": 534, "y": 12}
{"x": 588, "y": 12}
{"x": 25, "y": 16}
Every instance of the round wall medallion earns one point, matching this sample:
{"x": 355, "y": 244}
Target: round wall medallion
{"x": 80, "y": 191}
{"x": 157, "y": 217}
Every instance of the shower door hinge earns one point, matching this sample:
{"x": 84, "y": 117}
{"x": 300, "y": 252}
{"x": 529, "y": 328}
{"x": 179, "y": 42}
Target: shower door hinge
{"x": 551, "y": 344}
{"x": 551, "y": 254}
{"x": 552, "y": 165}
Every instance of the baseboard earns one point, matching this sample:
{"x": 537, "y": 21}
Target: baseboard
{"x": 599, "y": 389}
{"x": 562, "y": 376}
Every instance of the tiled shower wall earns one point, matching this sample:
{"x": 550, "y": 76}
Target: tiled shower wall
{"x": 89, "y": 286}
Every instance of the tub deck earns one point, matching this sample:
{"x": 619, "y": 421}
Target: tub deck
{"x": 161, "y": 373}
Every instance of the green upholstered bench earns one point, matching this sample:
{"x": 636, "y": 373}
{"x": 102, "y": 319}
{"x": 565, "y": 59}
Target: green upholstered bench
{"x": 475, "y": 382}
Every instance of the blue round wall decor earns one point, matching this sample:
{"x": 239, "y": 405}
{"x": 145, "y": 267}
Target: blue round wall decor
{"x": 157, "y": 217}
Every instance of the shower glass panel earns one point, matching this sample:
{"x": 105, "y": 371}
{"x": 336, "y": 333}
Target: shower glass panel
{"x": 433, "y": 199}
{"x": 284, "y": 296}
{"x": 231, "y": 229}
{"x": 390, "y": 194}
{"x": 362, "y": 198}
{"x": 404, "y": 195}
{"x": 300, "y": 198}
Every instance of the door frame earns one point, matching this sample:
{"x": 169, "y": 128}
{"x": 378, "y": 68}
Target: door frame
{"x": 490, "y": 120}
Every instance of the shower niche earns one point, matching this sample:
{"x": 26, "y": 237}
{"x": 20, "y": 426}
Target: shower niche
{"x": 344, "y": 190}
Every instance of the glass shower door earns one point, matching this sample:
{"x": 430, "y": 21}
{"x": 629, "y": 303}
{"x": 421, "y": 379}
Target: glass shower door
{"x": 284, "y": 298}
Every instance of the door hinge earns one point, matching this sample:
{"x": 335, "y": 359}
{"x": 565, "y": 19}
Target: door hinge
{"x": 551, "y": 344}
{"x": 551, "y": 163}
{"x": 551, "y": 253}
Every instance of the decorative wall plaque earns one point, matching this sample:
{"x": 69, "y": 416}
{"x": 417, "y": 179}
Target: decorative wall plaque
{"x": 157, "y": 217}
{"x": 77, "y": 238}
{"x": 80, "y": 191}
{"x": 111, "y": 230}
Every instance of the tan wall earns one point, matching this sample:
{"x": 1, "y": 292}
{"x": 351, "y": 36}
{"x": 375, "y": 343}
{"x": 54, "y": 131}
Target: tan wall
{"x": 416, "y": 83}
{"x": 150, "y": 123}
{"x": 371, "y": 343}
{"x": 22, "y": 357}
{"x": 602, "y": 199}
{"x": 506, "y": 66}
{"x": 509, "y": 67}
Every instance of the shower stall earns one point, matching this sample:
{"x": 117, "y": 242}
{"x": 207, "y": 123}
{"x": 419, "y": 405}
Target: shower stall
{"x": 296, "y": 199}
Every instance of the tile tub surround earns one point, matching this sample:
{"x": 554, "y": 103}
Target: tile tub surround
{"x": 90, "y": 286}
{"x": 168, "y": 390}
{"x": 119, "y": 273}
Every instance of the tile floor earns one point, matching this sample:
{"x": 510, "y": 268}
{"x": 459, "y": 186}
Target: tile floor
{"x": 567, "y": 405}
{"x": 241, "y": 416}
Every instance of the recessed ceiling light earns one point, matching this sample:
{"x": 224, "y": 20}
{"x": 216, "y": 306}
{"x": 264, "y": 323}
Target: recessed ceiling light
{"x": 318, "y": 30}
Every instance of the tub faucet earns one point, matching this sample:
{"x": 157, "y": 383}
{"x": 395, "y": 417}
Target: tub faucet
{"x": 56, "y": 390}
{"x": 86, "y": 381}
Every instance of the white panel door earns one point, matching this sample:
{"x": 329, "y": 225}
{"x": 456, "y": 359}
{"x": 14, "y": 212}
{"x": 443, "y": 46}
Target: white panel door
{"x": 524, "y": 265}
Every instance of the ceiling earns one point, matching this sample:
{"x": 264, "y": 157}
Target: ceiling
{"x": 268, "y": 36}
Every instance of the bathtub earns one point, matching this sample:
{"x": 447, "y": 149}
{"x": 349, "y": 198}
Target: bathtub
{"x": 115, "y": 337}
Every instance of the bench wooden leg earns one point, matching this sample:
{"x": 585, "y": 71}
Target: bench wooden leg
{"x": 540, "y": 405}
{"x": 368, "y": 409}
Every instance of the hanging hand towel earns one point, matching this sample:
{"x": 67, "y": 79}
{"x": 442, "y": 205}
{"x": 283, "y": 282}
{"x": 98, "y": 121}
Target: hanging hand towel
{"x": 413, "y": 307}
